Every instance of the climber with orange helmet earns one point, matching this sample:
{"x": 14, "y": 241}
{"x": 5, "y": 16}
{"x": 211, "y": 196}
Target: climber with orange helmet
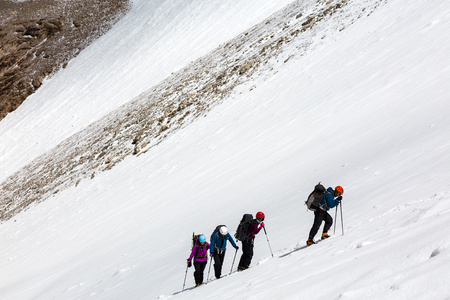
{"x": 331, "y": 199}
{"x": 248, "y": 243}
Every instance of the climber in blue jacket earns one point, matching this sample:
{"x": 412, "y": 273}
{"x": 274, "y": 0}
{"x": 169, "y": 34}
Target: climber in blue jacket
{"x": 218, "y": 247}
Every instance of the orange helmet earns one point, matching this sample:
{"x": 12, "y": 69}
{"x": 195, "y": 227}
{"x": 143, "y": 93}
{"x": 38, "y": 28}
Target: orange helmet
{"x": 339, "y": 189}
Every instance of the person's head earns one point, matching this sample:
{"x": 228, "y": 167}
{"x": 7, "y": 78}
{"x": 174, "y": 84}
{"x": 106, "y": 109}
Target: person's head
{"x": 202, "y": 239}
{"x": 260, "y": 216}
{"x": 338, "y": 191}
{"x": 223, "y": 230}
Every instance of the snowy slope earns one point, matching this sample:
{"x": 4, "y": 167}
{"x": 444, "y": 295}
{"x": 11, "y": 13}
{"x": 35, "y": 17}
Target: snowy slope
{"x": 153, "y": 40}
{"x": 366, "y": 110}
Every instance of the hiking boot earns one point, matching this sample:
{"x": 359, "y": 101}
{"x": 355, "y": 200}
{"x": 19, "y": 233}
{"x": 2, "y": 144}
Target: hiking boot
{"x": 310, "y": 242}
{"x": 197, "y": 284}
{"x": 325, "y": 235}
{"x": 241, "y": 269}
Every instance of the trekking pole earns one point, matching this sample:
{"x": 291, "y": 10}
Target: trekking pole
{"x": 335, "y": 216}
{"x": 185, "y": 275}
{"x": 342, "y": 219}
{"x": 233, "y": 261}
{"x": 268, "y": 240}
{"x": 210, "y": 262}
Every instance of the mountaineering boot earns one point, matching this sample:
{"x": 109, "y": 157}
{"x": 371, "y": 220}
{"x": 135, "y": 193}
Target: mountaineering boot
{"x": 310, "y": 242}
{"x": 325, "y": 235}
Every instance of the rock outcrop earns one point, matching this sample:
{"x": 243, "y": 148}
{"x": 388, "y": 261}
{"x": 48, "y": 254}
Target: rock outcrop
{"x": 38, "y": 37}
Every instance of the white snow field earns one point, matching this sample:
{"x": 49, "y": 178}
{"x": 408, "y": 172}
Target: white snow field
{"x": 366, "y": 108}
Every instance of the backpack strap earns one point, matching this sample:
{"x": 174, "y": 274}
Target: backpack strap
{"x": 325, "y": 204}
{"x": 224, "y": 238}
{"x": 223, "y": 242}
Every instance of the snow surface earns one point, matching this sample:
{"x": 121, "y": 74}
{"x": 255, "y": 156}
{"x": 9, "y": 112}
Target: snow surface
{"x": 367, "y": 110}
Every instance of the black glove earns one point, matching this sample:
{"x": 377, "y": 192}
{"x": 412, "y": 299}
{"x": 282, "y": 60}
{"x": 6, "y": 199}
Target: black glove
{"x": 189, "y": 263}
{"x": 339, "y": 198}
{"x": 237, "y": 247}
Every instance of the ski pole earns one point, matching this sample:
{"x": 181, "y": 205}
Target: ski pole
{"x": 268, "y": 241}
{"x": 342, "y": 219}
{"x": 233, "y": 261}
{"x": 335, "y": 216}
{"x": 185, "y": 275}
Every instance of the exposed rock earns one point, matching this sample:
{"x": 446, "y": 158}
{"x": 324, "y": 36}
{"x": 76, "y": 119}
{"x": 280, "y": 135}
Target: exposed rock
{"x": 246, "y": 67}
{"x": 37, "y": 81}
{"x": 32, "y": 32}
{"x": 109, "y": 159}
{"x": 137, "y": 149}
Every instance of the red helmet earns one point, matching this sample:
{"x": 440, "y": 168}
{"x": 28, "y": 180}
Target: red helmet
{"x": 339, "y": 189}
{"x": 260, "y": 215}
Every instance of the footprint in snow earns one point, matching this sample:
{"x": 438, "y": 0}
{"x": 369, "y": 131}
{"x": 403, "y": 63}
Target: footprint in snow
{"x": 121, "y": 271}
{"x": 362, "y": 244}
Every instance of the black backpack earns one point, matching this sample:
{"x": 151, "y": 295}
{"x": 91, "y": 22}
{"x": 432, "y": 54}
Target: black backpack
{"x": 315, "y": 197}
{"x": 242, "y": 230}
{"x": 224, "y": 238}
{"x": 216, "y": 230}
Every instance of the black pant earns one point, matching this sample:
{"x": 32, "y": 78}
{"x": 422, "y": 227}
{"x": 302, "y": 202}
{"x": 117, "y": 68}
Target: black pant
{"x": 319, "y": 216}
{"x": 199, "y": 269}
{"x": 218, "y": 262}
{"x": 247, "y": 254}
